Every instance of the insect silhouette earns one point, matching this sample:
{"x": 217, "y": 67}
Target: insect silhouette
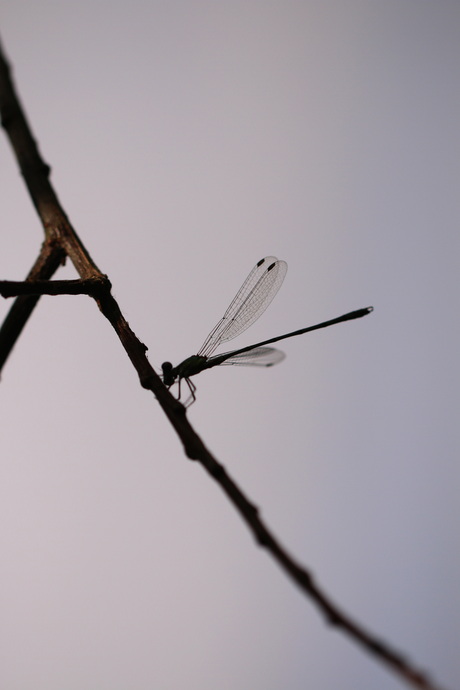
{"x": 249, "y": 303}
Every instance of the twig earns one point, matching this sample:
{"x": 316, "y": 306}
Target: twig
{"x": 90, "y": 286}
{"x": 50, "y": 258}
{"x": 60, "y": 233}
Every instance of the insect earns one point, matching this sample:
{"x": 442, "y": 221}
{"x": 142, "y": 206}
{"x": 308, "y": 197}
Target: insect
{"x": 251, "y": 300}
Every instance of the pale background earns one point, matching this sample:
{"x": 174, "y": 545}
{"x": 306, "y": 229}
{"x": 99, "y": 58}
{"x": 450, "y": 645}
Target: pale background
{"x": 188, "y": 140}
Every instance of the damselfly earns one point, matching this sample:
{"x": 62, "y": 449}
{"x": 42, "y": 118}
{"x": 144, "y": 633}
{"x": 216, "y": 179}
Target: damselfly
{"x": 249, "y": 303}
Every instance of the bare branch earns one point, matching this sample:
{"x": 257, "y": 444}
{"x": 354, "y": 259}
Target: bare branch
{"x": 36, "y": 174}
{"x": 50, "y": 258}
{"x": 90, "y": 286}
{"x": 62, "y": 240}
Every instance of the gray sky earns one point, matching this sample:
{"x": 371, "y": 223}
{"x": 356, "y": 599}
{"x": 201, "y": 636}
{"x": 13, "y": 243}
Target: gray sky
{"x": 187, "y": 141}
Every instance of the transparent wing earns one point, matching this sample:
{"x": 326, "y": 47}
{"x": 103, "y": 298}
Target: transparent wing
{"x": 259, "y": 357}
{"x": 249, "y": 303}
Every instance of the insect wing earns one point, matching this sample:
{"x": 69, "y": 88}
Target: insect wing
{"x": 251, "y": 300}
{"x": 259, "y": 357}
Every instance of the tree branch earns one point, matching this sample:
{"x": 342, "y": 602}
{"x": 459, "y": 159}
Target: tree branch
{"x": 62, "y": 240}
{"x": 90, "y": 286}
{"x": 48, "y": 261}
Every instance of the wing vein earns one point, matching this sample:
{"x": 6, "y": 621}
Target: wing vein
{"x": 249, "y": 303}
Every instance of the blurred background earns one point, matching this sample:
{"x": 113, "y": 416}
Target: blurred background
{"x": 188, "y": 139}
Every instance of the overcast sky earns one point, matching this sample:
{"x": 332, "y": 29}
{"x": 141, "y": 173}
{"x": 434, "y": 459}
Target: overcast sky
{"x": 187, "y": 140}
